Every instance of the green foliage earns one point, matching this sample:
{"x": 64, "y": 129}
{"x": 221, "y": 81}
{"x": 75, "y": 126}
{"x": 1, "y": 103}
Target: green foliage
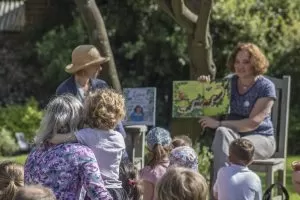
{"x": 150, "y": 48}
{"x": 21, "y": 118}
{"x": 204, "y": 160}
{"x": 55, "y": 49}
{"x": 7, "y": 143}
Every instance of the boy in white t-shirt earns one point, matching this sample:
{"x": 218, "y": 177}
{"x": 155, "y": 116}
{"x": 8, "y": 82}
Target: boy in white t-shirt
{"x": 236, "y": 181}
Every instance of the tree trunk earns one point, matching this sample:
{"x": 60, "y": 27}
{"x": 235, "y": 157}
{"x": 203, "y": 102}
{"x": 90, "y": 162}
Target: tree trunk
{"x": 98, "y": 37}
{"x": 194, "y": 18}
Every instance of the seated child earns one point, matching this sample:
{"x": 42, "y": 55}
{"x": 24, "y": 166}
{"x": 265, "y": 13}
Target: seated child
{"x": 182, "y": 140}
{"x": 236, "y": 181}
{"x": 184, "y": 156}
{"x": 182, "y": 184}
{"x": 11, "y": 178}
{"x": 104, "y": 109}
{"x": 296, "y": 176}
{"x": 34, "y": 192}
{"x": 130, "y": 180}
{"x": 158, "y": 143}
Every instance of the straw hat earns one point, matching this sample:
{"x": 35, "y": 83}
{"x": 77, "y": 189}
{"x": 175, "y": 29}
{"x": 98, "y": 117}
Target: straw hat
{"x": 84, "y": 56}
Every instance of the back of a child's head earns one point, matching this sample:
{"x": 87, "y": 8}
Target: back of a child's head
{"x": 35, "y": 192}
{"x": 104, "y": 108}
{"x": 182, "y": 184}
{"x": 182, "y": 140}
{"x": 241, "y": 151}
{"x": 130, "y": 180}
{"x": 159, "y": 145}
{"x": 184, "y": 156}
{"x": 11, "y": 178}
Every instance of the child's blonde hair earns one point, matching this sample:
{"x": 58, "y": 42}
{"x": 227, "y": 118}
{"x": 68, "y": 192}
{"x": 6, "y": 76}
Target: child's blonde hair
{"x": 104, "y": 108}
{"x": 11, "y": 178}
{"x": 181, "y": 184}
{"x": 182, "y": 140}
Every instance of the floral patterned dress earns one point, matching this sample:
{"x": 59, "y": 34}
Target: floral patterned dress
{"x": 66, "y": 168}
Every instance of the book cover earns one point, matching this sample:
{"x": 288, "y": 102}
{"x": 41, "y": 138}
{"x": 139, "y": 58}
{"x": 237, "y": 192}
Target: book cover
{"x": 192, "y": 99}
{"x": 140, "y": 106}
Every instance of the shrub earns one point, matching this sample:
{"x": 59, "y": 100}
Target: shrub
{"x": 21, "y": 118}
{"x": 7, "y": 143}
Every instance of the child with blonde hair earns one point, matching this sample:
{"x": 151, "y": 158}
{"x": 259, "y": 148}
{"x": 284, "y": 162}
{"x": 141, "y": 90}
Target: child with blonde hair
{"x": 236, "y": 181}
{"x": 159, "y": 145}
{"x": 11, "y": 178}
{"x": 182, "y": 140}
{"x": 34, "y": 192}
{"x": 104, "y": 109}
{"x": 182, "y": 184}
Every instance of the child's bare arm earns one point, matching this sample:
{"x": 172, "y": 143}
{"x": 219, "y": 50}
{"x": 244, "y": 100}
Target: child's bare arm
{"x": 63, "y": 138}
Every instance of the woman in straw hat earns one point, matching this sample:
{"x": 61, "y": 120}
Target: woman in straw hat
{"x": 84, "y": 69}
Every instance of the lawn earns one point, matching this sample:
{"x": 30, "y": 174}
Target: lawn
{"x": 293, "y": 196}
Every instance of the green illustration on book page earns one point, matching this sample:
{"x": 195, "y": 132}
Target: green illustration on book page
{"x": 195, "y": 99}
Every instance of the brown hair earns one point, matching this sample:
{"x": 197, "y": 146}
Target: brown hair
{"x": 181, "y": 184}
{"x": 258, "y": 60}
{"x": 182, "y": 140}
{"x": 242, "y": 151}
{"x": 130, "y": 180}
{"x": 11, "y": 178}
{"x": 34, "y": 192}
{"x": 104, "y": 108}
{"x": 157, "y": 154}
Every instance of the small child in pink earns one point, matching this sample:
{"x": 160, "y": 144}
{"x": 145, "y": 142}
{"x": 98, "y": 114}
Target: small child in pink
{"x": 158, "y": 143}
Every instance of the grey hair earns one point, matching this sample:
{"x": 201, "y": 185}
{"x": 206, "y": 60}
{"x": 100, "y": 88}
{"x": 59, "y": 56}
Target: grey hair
{"x": 64, "y": 114}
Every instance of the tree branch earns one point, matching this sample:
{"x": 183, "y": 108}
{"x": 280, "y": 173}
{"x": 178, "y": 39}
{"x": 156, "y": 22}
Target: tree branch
{"x": 183, "y": 15}
{"x": 98, "y": 36}
{"x": 203, "y": 23}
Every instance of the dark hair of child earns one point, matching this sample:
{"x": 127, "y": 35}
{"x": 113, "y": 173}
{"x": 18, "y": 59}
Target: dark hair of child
{"x": 129, "y": 177}
{"x": 241, "y": 152}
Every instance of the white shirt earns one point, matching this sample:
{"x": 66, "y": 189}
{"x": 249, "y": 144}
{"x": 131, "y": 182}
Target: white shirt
{"x": 235, "y": 182}
{"x": 108, "y": 147}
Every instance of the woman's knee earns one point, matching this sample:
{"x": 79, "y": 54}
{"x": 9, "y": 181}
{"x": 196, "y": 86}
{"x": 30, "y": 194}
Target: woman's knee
{"x": 222, "y": 132}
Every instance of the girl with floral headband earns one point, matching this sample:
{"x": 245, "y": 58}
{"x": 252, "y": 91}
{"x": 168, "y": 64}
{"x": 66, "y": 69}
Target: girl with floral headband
{"x": 184, "y": 156}
{"x": 159, "y": 145}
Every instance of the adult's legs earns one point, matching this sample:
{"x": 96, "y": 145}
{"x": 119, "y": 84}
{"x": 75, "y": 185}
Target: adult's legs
{"x": 220, "y": 147}
{"x": 265, "y": 146}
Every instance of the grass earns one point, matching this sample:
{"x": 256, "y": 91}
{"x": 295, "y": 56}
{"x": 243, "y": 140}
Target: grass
{"x": 22, "y": 158}
{"x": 19, "y": 159}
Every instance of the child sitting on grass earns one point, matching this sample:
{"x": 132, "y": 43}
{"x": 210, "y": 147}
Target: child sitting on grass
{"x": 159, "y": 145}
{"x": 182, "y": 140}
{"x": 236, "y": 181}
{"x": 104, "y": 109}
{"x": 182, "y": 184}
{"x": 184, "y": 156}
{"x": 11, "y": 179}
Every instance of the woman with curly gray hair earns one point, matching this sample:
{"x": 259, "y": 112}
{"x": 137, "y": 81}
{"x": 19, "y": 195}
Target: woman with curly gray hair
{"x": 64, "y": 168}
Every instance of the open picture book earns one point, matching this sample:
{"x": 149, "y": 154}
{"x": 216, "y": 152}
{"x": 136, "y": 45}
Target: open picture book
{"x": 192, "y": 99}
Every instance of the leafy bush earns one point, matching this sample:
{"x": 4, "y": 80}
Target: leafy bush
{"x": 7, "y": 143}
{"x": 21, "y": 118}
{"x": 55, "y": 50}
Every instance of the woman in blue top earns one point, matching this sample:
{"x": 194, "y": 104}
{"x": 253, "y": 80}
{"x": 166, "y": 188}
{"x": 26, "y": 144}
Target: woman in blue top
{"x": 252, "y": 98}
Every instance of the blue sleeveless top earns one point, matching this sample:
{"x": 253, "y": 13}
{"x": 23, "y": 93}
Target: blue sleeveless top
{"x": 241, "y": 105}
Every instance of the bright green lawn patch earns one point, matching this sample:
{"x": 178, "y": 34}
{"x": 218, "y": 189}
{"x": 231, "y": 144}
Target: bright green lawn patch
{"x": 19, "y": 159}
